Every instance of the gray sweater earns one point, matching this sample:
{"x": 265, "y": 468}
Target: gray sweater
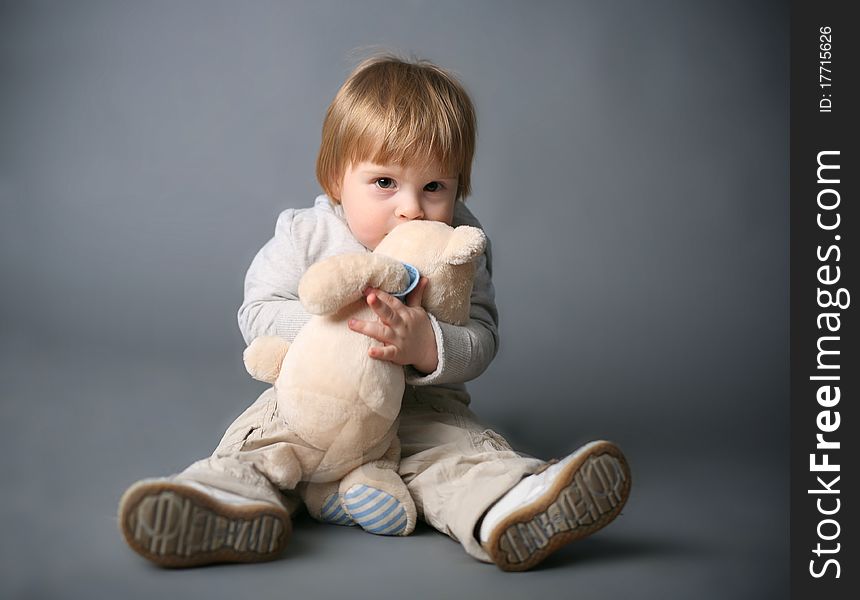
{"x": 304, "y": 236}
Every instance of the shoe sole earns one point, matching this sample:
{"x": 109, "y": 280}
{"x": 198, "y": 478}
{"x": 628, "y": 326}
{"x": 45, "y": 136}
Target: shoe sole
{"x": 174, "y": 525}
{"x": 587, "y": 494}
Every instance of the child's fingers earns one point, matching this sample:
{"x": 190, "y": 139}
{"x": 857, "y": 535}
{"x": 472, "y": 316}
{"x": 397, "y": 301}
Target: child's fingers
{"x": 384, "y": 305}
{"x": 383, "y": 352}
{"x": 374, "y": 329}
{"x": 388, "y": 299}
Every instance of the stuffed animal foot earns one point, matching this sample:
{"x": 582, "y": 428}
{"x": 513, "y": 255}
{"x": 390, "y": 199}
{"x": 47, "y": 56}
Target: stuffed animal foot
{"x": 378, "y": 501}
{"x": 325, "y": 503}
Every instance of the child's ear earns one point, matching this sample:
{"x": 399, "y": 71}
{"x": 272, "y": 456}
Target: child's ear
{"x": 464, "y": 245}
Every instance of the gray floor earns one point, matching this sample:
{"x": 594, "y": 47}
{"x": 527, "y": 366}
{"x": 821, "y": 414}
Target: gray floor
{"x": 80, "y": 426}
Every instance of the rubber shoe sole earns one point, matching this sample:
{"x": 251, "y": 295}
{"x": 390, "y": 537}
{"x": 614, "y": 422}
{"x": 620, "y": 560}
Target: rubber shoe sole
{"x": 174, "y": 525}
{"x": 585, "y": 496}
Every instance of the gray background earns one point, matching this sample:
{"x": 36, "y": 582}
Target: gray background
{"x": 632, "y": 172}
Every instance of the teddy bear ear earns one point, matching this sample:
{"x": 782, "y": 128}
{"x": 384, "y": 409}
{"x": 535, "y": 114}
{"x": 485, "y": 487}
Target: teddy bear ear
{"x": 465, "y": 244}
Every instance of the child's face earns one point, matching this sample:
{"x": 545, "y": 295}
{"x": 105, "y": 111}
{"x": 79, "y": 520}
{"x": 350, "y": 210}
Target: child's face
{"x": 378, "y": 198}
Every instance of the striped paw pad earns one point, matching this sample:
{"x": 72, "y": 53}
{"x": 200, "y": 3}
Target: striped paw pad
{"x": 333, "y": 512}
{"x": 376, "y": 511}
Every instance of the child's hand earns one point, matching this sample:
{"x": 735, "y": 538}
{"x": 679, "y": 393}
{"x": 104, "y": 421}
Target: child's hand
{"x": 404, "y": 329}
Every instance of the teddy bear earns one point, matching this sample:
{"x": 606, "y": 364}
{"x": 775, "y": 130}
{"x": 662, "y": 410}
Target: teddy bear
{"x": 337, "y": 398}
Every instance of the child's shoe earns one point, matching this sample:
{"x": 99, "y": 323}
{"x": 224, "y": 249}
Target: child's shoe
{"x": 566, "y": 501}
{"x": 182, "y": 523}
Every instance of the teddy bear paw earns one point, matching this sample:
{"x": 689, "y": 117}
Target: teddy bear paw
{"x": 333, "y": 512}
{"x": 377, "y": 511}
{"x": 264, "y": 356}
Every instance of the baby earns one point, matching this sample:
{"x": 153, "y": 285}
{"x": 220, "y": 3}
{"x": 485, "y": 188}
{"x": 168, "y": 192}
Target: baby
{"x": 397, "y": 145}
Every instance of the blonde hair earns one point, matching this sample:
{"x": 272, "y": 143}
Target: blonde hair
{"x": 395, "y": 111}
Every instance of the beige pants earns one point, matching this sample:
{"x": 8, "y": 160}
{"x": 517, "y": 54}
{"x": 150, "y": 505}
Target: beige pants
{"x": 454, "y": 467}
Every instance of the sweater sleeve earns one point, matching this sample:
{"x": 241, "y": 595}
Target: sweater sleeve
{"x": 271, "y": 304}
{"x": 466, "y": 351}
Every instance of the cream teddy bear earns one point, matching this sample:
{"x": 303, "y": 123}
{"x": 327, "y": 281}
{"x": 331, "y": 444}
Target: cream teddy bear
{"x": 340, "y": 401}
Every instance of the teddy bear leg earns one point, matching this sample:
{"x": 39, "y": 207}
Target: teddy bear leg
{"x": 376, "y": 498}
{"x": 325, "y": 503}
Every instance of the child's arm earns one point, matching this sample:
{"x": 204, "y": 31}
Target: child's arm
{"x": 271, "y": 305}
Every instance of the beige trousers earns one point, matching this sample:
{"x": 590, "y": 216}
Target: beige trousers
{"x": 454, "y": 467}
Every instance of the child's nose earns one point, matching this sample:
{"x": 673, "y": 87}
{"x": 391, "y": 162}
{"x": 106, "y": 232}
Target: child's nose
{"x": 409, "y": 208}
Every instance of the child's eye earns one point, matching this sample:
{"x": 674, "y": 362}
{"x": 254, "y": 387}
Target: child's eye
{"x": 385, "y": 182}
{"x": 433, "y": 186}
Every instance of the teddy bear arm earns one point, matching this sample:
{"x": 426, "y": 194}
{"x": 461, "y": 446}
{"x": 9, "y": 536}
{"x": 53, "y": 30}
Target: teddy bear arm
{"x": 264, "y": 356}
{"x": 334, "y": 282}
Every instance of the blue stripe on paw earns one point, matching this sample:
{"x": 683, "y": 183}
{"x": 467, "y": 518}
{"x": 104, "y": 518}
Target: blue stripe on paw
{"x": 333, "y": 512}
{"x": 376, "y": 511}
